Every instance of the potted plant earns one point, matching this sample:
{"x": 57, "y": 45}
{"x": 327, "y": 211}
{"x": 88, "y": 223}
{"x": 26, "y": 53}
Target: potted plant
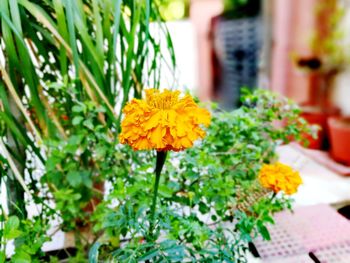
{"x": 316, "y": 115}
{"x": 336, "y": 56}
{"x": 328, "y": 59}
{"x": 340, "y": 139}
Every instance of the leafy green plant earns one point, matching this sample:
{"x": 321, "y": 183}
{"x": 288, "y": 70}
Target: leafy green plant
{"x": 69, "y": 68}
{"x": 328, "y": 44}
{"x": 28, "y": 236}
{"x": 211, "y": 204}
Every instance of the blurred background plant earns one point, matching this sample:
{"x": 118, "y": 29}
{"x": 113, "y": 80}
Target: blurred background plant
{"x": 329, "y": 45}
{"x": 174, "y": 9}
{"x": 241, "y": 8}
{"x": 67, "y": 70}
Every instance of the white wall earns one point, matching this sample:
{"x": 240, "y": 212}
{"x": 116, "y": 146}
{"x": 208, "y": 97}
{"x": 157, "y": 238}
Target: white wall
{"x": 183, "y": 37}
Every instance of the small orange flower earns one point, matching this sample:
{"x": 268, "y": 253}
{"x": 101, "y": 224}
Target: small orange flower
{"x": 280, "y": 177}
{"x": 163, "y": 121}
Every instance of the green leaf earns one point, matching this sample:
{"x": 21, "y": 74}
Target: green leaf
{"x": 74, "y": 178}
{"x": 51, "y": 163}
{"x": 268, "y": 219}
{"x": 88, "y": 123}
{"x": 165, "y": 191}
{"x": 149, "y": 255}
{"x": 72, "y": 34}
{"x": 21, "y": 257}
{"x": 2, "y": 257}
{"x": 203, "y": 208}
{"x": 11, "y": 228}
{"x": 101, "y": 152}
{"x": 86, "y": 178}
{"x": 79, "y": 108}
{"x": 75, "y": 139}
{"x": 62, "y": 28}
{"x": 93, "y": 253}
{"x": 116, "y": 24}
{"x": 77, "y": 120}
{"x": 54, "y": 177}
{"x": 263, "y": 231}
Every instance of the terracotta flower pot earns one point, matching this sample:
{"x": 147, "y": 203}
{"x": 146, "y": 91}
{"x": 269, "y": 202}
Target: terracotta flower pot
{"x": 340, "y": 139}
{"x": 320, "y": 119}
{"x": 319, "y": 116}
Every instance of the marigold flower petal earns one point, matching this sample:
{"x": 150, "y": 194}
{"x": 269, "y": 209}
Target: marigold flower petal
{"x": 279, "y": 177}
{"x": 163, "y": 121}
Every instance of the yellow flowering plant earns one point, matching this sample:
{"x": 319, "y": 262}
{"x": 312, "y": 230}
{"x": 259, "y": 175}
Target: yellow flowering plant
{"x": 163, "y": 122}
{"x": 206, "y": 201}
{"x": 280, "y": 177}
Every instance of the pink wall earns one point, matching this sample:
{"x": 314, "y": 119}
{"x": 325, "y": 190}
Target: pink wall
{"x": 294, "y": 23}
{"x": 201, "y": 13}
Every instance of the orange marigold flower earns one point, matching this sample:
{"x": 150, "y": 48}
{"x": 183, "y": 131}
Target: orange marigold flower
{"x": 280, "y": 177}
{"x": 163, "y": 121}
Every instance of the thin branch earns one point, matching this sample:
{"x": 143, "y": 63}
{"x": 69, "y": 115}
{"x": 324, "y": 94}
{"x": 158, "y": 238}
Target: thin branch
{"x": 19, "y": 103}
{"x": 14, "y": 167}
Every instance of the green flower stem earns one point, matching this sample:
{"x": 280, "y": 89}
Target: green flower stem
{"x": 161, "y": 156}
{"x": 273, "y": 196}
